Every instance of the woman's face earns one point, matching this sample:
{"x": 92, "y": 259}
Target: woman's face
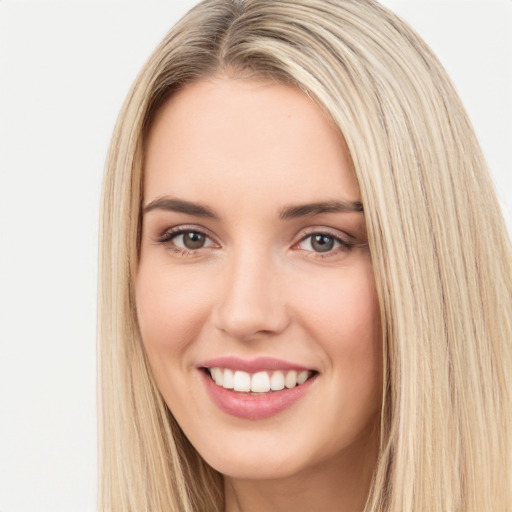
{"x": 255, "y": 273}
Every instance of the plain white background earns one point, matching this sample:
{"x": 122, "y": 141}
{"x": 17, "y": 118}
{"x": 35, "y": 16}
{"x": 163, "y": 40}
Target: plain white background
{"x": 65, "y": 67}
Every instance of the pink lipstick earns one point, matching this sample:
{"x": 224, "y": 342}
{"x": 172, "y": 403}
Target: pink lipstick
{"x": 256, "y": 388}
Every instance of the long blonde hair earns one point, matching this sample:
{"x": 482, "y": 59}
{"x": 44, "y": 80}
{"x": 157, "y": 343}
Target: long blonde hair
{"x": 440, "y": 252}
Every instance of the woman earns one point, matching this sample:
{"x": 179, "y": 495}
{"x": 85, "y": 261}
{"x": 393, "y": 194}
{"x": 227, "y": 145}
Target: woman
{"x": 306, "y": 283}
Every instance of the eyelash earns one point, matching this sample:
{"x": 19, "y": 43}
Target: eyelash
{"x": 344, "y": 244}
{"x": 168, "y": 236}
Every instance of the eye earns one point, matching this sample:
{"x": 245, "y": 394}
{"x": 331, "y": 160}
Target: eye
{"x": 323, "y": 243}
{"x": 186, "y": 240}
{"x": 191, "y": 240}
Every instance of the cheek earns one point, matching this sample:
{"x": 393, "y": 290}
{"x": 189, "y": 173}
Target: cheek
{"x": 343, "y": 305}
{"x": 170, "y": 311}
{"x": 342, "y": 314}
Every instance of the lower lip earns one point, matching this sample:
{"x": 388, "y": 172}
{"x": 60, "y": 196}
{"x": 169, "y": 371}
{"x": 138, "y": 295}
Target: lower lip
{"x": 255, "y": 407}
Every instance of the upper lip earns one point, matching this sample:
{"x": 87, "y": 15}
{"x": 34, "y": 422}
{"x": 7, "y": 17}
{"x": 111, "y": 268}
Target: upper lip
{"x": 257, "y": 364}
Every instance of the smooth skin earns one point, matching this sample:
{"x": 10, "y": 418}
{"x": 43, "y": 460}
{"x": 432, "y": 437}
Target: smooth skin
{"x": 236, "y": 278}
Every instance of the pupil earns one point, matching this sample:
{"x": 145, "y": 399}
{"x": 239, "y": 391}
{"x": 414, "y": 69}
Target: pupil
{"x": 322, "y": 243}
{"x": 193, "y": 240}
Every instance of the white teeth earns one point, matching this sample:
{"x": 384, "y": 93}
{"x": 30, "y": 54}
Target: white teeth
{"x": 229, "y": 379}
{"x": 277, "y": 381}
{"x": 242, "y": 381}
{"x": 290, "y": 381}
{"x": 260, "y": 382}
{"x": 217, "y": 375}
{"x": 301, "y": 377}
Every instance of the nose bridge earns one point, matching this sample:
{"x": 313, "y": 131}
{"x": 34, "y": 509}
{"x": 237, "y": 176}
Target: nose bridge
{"x": 251, "y": 302}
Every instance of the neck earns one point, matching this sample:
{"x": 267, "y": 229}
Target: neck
{"x": 340, "y": 484}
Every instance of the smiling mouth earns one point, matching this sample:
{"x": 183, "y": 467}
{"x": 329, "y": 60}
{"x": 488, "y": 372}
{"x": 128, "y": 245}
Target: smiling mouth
{"x": 262, "y": 382}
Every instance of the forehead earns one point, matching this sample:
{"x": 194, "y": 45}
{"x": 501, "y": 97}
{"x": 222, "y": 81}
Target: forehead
{"x": 236, "y": 138}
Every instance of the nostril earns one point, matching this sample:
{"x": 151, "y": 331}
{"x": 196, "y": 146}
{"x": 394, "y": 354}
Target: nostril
{"x": 251, "y": 305}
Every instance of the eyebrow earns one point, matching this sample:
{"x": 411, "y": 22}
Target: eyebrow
{"x": 289, "y": 212}
{"x": 305, "y": 210}
{"x": 179, "y": 205}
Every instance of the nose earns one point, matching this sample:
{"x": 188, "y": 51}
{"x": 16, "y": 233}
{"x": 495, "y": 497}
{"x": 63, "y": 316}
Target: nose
{"x": 252, "y": 300}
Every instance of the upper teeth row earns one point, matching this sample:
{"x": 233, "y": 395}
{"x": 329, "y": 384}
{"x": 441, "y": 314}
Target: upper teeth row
{"x": 259, "y": 382}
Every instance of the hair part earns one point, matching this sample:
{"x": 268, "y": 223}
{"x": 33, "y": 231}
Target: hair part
{"x": 440, "y": 252}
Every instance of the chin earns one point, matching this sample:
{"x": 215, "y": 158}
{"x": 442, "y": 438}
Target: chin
{"x": 257, "y": 468}
{"x": 257, "y": 459}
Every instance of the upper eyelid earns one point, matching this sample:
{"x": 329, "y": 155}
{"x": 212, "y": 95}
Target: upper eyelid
{"x": 335, "y": 233}
{"x": 323, "y": 233}
{"x": 340, "y": 240}
{"x": 180, "y": 229}
{"x": 300, "y": 236}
